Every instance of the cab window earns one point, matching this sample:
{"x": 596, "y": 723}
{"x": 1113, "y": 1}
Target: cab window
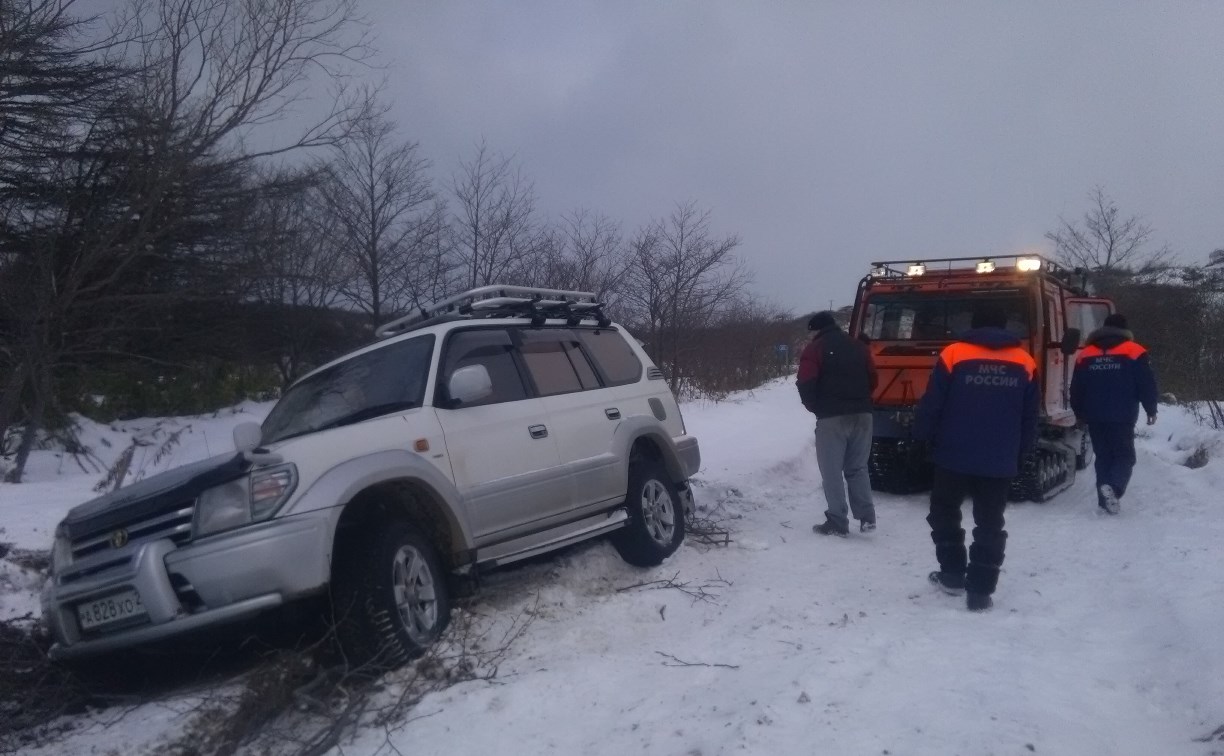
{"x": 927, "y": 318}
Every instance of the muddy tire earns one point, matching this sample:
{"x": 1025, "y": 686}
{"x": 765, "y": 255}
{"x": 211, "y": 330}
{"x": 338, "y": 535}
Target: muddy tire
{"x": 656, "y": 516}
{"x": 389, "y": 597}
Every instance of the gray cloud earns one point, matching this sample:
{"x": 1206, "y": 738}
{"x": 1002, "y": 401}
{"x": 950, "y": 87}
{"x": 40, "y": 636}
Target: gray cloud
{"x": 828, "y": 134}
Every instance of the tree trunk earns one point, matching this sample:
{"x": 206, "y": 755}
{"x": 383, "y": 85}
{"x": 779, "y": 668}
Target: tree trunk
{"x": 33, "y": 425}
{"x": 11, "y": 400}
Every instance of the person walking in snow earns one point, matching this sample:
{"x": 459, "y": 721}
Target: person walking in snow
{"x": 979, "y": 414}
{"x": 836, "y": 377}
{"x": 1113, "y": 377}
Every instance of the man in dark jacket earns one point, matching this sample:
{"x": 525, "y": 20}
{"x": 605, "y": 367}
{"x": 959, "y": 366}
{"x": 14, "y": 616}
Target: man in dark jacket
{"x": 979, "y": 413}
{"x": 836, "y": 376}
{"x": 1112, "y": 377}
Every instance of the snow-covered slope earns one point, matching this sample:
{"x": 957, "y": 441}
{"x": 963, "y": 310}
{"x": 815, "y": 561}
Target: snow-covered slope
{"x": 1104, "y": 638}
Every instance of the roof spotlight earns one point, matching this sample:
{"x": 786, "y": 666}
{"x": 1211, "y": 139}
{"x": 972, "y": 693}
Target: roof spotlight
{"x": 916, "y": 269}
{"x": 1028, "y": 264}
{"x": 879, "y": 271}
{"x": 986, "y": 266}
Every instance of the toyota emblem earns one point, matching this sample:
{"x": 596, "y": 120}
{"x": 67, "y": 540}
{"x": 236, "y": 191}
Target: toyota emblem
{"x": 119, "y": 539}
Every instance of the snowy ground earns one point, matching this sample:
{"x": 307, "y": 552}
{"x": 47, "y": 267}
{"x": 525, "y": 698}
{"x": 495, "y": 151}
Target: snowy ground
{"x": 1104, "y": 639}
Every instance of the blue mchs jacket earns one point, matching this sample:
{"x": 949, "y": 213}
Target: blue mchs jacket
{"x": 1113, "y": 376}
{"x": 979, "y": 411}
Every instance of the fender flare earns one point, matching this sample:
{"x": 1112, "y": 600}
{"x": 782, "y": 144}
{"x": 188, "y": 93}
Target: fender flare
{"x": 633, "y": 429}
{"x": 342, "y": 483}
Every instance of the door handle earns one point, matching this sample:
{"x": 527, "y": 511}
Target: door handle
{"x": 537, "y": 431}
{"x": 613, "y": 413}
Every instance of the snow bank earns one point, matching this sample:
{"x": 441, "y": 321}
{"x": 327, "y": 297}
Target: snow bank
{"x": 1104, "y": 638}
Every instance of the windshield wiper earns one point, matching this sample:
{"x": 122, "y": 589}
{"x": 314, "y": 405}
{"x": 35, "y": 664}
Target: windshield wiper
{"x": 365, "y": 413}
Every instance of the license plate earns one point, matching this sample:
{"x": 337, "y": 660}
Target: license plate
{"x": 109, "y": 610}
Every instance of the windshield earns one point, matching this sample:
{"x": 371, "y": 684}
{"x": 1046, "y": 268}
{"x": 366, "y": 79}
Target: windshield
{"x": 375, "y": 383}
{"x": 919, "y": 317}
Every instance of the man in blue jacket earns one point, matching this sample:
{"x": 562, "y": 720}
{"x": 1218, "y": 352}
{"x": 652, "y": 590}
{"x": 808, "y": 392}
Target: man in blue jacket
{"x": 1112, "y": 377}
{"x": 979, "y": 414}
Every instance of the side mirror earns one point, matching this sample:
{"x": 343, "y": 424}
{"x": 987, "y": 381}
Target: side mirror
{"x": 469, "y": 384}
{"x": 1071, "y": 341}
{"x": 247, "y": 436}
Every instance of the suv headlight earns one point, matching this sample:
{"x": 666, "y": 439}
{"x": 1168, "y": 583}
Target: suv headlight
{"x": 61, "y": 552}
{"x": 243, "y": 501}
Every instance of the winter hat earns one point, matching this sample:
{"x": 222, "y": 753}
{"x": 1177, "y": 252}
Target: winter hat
{"x": 988, "y": 316}
{"x": 1117, "y": 320}
{"x": 821, "y": 320}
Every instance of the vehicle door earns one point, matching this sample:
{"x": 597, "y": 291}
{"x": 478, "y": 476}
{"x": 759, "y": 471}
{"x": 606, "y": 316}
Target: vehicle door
{"x": 1086, "y": 315}
{"x": 581, "y": 410}
{"x": 503, "y": 453}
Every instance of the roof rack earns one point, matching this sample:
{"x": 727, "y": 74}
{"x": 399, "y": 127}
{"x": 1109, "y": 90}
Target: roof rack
{"x": 503, "y": 302}
{"x": 886, "y": 269}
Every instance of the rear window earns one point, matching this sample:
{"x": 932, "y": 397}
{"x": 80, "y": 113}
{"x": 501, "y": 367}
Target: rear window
{"x": 613, "y": 357}
{"x": 555, "y": 362}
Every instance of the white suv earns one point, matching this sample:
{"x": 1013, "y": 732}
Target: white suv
{"x": 490, "y": 427}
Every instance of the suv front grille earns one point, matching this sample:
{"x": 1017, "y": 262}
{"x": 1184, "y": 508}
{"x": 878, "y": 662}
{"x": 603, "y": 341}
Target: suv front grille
{"x": 175, "y": 525}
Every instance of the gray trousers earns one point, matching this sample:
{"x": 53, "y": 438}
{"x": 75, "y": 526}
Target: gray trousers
{"x": 843, "y": 447}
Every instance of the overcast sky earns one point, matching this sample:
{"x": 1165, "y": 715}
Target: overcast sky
{"x": 829, "y": 134}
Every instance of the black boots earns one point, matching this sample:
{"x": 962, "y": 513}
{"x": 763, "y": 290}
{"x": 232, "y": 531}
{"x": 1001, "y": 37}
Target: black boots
{"x": 951, "y": 583}
{"x": 978, "y": 602}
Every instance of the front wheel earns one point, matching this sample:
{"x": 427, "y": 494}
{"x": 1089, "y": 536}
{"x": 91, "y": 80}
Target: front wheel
{"x": 389, "y": 597}
{"x": 656, "y": 518}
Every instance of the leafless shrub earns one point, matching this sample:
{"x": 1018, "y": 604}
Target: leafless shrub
{"x": 305, "y": 702}
{"x": 35, "y": 694}
{"x": 117, "y": 472}
{"x": 707, "y": 530}
{"x": 1208, "y": 413}
{"x": 696, "y": 590}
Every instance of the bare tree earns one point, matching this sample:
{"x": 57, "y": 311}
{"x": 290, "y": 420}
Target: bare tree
{"x": 227, "y": 74}
{"x": 135, "y": 209}
{"x": 52, "y": 74}
{"x": 1106, "y": 242}
{"x": 493, "y": 231}
{"x": 294, "y": 271}
{"x": 388, "y": 218}
{"x": 680, "y": 279}
{"x": 586, "y": 253}
{"x": 43, "y": 81}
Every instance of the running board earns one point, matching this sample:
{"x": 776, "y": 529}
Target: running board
{"x": 594, "y": 526}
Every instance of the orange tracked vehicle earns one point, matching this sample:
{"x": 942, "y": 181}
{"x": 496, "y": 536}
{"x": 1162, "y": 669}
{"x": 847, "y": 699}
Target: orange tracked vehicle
{"x": 908, "y": 311}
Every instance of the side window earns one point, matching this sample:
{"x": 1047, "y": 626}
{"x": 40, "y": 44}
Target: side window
{"x": 555, "y": 361}
{"x": 614, "y": 358}
{"x": 493, "y": 349}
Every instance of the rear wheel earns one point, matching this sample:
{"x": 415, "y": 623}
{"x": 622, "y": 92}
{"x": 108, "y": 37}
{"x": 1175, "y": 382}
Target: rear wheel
{"x": 389, "y": 597}
{"x": 656, "y": 517}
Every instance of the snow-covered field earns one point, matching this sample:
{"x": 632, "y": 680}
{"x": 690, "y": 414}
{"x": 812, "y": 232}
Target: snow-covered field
{"x": 1105, "y": 637}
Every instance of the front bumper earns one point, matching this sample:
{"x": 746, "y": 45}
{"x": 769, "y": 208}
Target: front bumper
{"x": 217, "y": 580}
